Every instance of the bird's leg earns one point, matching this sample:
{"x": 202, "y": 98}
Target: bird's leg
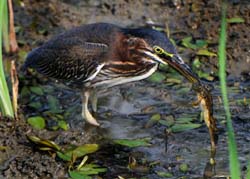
{"x": 85, "y": 111}
{"x": 93, "y": 100}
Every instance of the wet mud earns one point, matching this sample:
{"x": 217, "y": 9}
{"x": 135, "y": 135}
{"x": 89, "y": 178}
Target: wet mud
{"x": 125, "y": 111}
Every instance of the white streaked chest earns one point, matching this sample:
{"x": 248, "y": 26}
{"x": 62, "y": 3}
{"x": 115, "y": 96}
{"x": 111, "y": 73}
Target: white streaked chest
{"x": 113, "y": 81}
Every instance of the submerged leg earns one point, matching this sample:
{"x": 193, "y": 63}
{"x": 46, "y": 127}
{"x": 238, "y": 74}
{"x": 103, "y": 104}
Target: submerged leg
{"x": 85, "y": 111}
{"x": 93, "y": 100}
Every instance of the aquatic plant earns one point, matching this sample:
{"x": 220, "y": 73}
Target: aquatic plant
{"x": 5, "y": 102}
{"x": 232, "y": 147}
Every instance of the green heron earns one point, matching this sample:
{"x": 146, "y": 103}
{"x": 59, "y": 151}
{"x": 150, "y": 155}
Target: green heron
{"x": 102, "y": 55}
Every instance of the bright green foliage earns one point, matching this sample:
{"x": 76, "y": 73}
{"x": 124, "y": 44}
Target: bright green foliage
{"x": 5, "y": 29}
{"x": 187, "y": 42}
{"x": 164, "y": 174}
{"x": 233, "y": 156}
{"x": 77, "y": 175}
{"x": 235, "y": 20}
{"x": 184, "y": 127}
{"x": 205, "y": 52}
{"x": 37, "y": 122}
{"x": 184, "y": 167}
{"x": 248, "y": 171}
{"x": 5, "y": 102}
{"x": 86, "y": 170}
{"x": 78, "y": 151}
{"x": 133, "y": 142}
{"x": 37, "y": 90}
{"x": 157, "y": 77}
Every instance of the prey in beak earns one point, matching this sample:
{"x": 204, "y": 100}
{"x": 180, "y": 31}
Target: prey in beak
{"x": 176, "y": 62}
{"x": 205, "y": 99}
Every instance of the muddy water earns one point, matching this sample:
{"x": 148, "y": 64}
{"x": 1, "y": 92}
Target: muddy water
{"x": 124, "y": 112}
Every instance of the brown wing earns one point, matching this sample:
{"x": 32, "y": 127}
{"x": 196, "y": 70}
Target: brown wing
{"x": 68, "y": 59}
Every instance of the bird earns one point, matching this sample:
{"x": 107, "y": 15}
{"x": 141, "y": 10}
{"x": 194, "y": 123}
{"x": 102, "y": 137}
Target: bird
{"x": 98, "y": 56}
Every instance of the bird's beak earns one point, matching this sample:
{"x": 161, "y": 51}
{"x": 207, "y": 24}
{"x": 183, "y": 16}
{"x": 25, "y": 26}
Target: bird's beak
{"x": 176, "y": 62}
{"x": 179, "y": 65}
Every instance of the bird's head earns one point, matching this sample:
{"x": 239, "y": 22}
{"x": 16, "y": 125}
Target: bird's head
{"x": 156, "y": 46}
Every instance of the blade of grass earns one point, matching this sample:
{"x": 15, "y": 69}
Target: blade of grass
{"x": 233, "y": 156}
{"x": 5, "y": 27}
{"x": 248, "y": 171}
{"x": 5, "y": 102}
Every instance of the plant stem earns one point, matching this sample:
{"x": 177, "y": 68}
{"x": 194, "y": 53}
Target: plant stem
{"x": 233, "y": 156}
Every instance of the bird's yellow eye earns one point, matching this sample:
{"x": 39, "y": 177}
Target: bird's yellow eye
{"x": 158, "y": 50}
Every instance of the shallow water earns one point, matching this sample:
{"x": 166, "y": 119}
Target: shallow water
{"x": 124, "y": 112}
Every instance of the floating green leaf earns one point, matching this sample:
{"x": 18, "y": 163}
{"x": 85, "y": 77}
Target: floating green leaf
{"x": 133, "y": 142}
{"x": 157, "y": 77}
{"x": 153, "y": 120}
{"x": 205, "y": 52}
{"x": 183, "y": 90}
{"x": 196, "y": 67}
{"x": 84, "y": 149}
{"x": 36, "y": 90}
{"x": 78, "y": 175}
{"x": 183, "y": 167}
{"x": 201, "y": 43}
{"x": 187, "y": 42}
{"x": 62, "y": 156}
{"x": 86, "y": 170}
{"x": 78, "y": 151}
{"x": 37, "y": 122}
{"x": 91, "y": 169}
{"x": 63, "y": 125}
{"x": 25, "y": 91}
{"x": 207, "y": 76}
{"x": 184, "y": 127}
{"x": 168, "y": 121}
{"x": 164, "y": 67}
{"x": 156, "y": 117}
{"x": 183, "y": 120}
{"x": 36, "y": 105}
{"x": 165, "y": 123}
{"x": 196, "y": 63}
{"x": 165, "y": 174}
{"x": 174, "y": 80}
{"x": 235, "y": 20}
{"x": 53, "y": 104}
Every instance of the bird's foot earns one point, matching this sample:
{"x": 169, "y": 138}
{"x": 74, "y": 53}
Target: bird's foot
{"x": 89, "y": 118}
{"x": 94, "y": 102}
{"x": 85, "y": 112}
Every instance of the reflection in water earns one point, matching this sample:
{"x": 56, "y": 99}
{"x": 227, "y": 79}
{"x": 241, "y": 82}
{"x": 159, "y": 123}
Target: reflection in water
{"x": 123, "y": 117}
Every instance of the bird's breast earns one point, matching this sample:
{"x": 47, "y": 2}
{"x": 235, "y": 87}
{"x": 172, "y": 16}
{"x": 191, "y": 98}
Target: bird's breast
{"x": 116, "y": 74}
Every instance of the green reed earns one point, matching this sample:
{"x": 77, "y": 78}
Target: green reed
{"x": 5, "y": 102}
{"x": 233, "y": 155}
{"x": 248, "y": 171}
